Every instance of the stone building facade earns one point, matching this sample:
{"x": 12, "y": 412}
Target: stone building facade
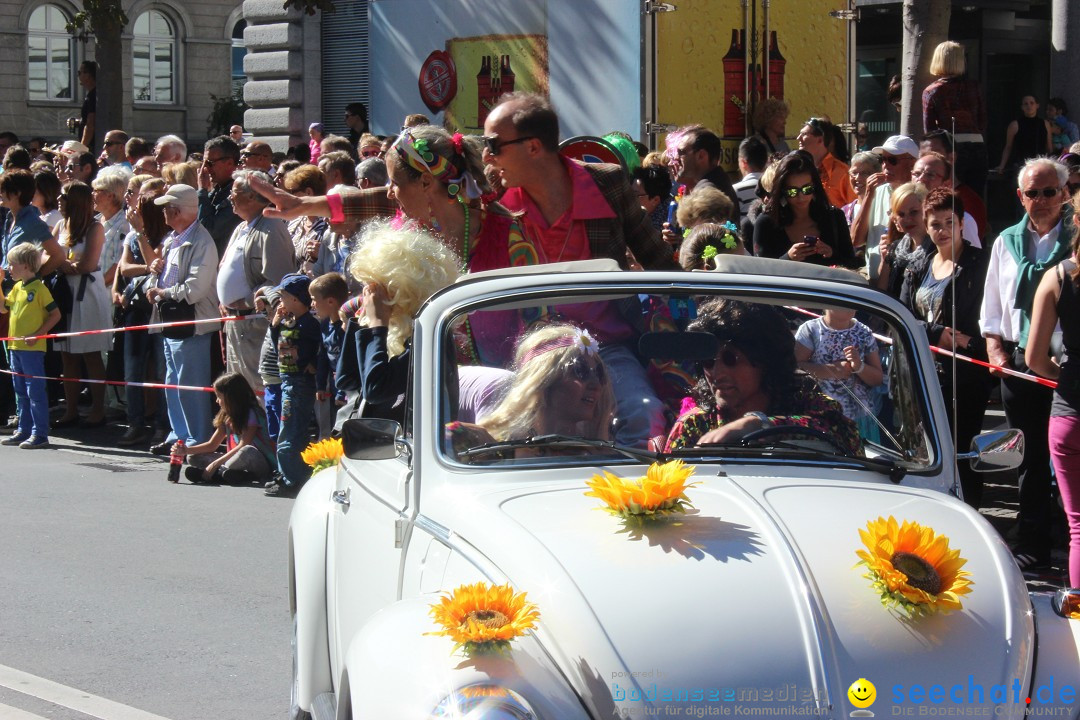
{"x": 176, "y": 55}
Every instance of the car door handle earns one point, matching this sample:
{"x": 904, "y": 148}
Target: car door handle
{"x": 341, "y": 497}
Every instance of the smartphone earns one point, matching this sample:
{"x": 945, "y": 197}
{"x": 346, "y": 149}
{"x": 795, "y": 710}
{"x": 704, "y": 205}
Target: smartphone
{"x": 811, "y": 241}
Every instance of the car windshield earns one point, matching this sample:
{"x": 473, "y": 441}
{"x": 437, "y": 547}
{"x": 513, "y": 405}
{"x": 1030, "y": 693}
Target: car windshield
{"x": 603, "y": 376}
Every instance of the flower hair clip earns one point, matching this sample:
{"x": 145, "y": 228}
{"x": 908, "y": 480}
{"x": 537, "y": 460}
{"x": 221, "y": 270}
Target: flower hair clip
{"x": 585, "y": 342}
{"x": 709, "y": 253}
{"x": 459, "y": 147}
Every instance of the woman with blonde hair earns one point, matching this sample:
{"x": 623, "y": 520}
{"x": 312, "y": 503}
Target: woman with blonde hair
{"x": 905, "y": 237}
{"x": 400, "y": 269}
{"x": 560, "y": 386}
{"x": 954, "y": 102}
{"x": 705, "y": 204}
{"x": 181, "y": 173}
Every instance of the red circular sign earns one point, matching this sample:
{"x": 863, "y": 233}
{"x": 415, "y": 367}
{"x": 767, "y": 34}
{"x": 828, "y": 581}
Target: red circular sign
{"x": 438, "y": 80}
{"x": 589, "y": 149}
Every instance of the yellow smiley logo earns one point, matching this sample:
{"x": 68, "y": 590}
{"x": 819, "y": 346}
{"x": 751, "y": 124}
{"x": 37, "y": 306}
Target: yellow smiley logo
{"x": 862, "y": 693}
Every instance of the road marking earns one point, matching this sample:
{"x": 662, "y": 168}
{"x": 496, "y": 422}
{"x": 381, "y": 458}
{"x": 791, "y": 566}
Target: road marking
{"x": 68, "y": 697}
{"x": 12, "y": 713}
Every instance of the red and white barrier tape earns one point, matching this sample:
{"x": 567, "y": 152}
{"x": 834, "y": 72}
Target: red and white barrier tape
{"x": 155, "y": 326}
{"x": 958, "y": 356}
{"x": 155, "y": 386}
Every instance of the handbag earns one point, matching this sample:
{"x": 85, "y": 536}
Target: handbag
{"x": 135, "y": 293}
{"x": 62, "y": 296}
{"x": 172, "y": 311}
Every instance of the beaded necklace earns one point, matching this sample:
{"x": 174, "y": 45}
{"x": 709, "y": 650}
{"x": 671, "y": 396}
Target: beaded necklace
{"x": 470, "y": 341}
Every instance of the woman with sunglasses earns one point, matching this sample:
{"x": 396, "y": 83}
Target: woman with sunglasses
{"x": 952, "y": 266}
{"x": 753, "y": 383}
{"x": 82, "y": 238}
{"x": 799, "y": 223}
{"x": 560, "y": 386}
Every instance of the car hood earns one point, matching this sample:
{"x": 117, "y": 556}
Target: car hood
{"x": 753, "y": 597}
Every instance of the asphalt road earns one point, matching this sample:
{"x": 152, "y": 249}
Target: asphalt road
{"x": 125, "y": 597}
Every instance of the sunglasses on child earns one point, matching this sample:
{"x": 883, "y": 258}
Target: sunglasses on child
{"x": 581, "y": 369}
{"x": 1046, "y": 192}
{"x": 807, "y": 190}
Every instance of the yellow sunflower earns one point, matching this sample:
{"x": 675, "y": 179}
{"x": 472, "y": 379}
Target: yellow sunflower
{"x": 912, "y": 567}
{"x": 662, "y": 491}
{"x": 323, "y": 454}
{"x": 481, "y": 618}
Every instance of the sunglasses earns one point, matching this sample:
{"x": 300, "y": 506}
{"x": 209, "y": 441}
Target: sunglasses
{"x": 807, "y": 190}
{"x": 581, "y": 369}
{"x": 816, "y": 125}
{"x": 370, "y": 153}
{"x": 495, "y": 146}
{"x": 110, "y": 143}
{"x": 1046, "y": 192}
{"x": 728, "y": 357}
{"x": 891, "y": 159}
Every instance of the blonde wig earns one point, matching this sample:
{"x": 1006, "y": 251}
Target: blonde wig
{"x": 539, "y": 365}
{"x": 411, "y": 264}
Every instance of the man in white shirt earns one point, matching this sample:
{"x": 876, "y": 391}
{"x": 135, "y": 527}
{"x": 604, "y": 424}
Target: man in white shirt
{"x": 1017, "y": 262}
{"x": 258, "y": 254}
{"x": 898, "y": 156}
{"x": 752, "y": 158}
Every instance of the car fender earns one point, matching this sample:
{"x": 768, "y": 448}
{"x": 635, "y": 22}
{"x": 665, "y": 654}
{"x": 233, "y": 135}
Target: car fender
{"x": 1057, "y": 664}
{"x": 396, "y": 668}
{"x": 307, "y": 585}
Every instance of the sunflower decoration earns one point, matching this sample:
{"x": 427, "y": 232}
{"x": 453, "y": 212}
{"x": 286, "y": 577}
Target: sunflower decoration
{"x": 482, "y": 618}
{"x": 660, "y": 493}
{"x": 912, "y": 567}
{"x": 323, "y": 454}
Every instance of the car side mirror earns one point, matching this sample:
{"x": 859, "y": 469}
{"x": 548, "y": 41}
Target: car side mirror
{"x": 996, "y": 450}
{"x": 371, "y": 439}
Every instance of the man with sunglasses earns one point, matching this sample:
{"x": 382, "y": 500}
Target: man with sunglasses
{"x": 220, "y": 158}
{"x": 113, "y": 152}
{"x": 898, "y": 156}
{"x": 833, "y": 172}
{"x": 1018, "y": 259}
{"x": 577, "y": 211}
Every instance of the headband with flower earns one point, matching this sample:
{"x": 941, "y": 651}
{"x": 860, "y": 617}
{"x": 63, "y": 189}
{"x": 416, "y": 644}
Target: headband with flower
{"x": 579, "y": 339}
{"x": 451, "y": 172}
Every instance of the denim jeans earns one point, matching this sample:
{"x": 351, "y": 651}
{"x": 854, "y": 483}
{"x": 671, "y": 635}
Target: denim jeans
{"x": 30, "y": 394}
{"x": 639, "y": 413}
{"x": 272, "y": 401}
{"x": 140, "y": 349}
{"x": 297, "y": 410}
{"x": 187, "y": 362}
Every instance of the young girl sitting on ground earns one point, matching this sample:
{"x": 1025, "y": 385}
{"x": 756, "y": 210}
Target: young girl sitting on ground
{"x": 252, "y": 457}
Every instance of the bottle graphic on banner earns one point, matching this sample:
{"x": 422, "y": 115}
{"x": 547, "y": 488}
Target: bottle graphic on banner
{"x": 734, "y": 63}
{"x": 776, "y": 69}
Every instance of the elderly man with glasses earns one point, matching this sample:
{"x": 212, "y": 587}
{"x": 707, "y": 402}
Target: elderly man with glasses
{"x": 1018, "y": 260}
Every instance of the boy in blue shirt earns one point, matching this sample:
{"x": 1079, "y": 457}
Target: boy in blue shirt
{"x": 295, "y": 332}
{"x": 328, "y": 293}
{"x": 33, "y": 312}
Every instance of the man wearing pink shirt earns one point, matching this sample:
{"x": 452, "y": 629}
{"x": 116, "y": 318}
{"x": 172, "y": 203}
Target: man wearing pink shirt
{"x": 576, "y": 211}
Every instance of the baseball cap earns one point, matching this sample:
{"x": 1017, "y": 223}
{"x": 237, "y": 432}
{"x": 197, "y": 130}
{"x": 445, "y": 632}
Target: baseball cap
{"x": 899, "y": 145}
{"x": 183, "y": 196}
{"x": 296, "y": 284}
{"x": 73, "y": 148}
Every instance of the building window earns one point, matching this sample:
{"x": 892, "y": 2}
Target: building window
{"x": 154, "y": 46}
{"x": 239, "y": 50}
{"x": 50, "y": 75}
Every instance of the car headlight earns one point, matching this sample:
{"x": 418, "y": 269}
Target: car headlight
{"x": 484, "y": 702}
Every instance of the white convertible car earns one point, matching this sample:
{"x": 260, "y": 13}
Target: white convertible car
{"x": 806, "y": 574}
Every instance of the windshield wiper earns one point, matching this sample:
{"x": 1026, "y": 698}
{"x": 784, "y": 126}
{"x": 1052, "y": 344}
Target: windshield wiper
{"x": 885, "y": 466}
{"x": 559, "y": 441}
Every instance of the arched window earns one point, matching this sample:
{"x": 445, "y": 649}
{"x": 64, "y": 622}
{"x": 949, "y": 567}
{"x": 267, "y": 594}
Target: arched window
{"x": 50, "y": 72}
{"x": 239, "y": 50}
{"x": 154, "y": 47}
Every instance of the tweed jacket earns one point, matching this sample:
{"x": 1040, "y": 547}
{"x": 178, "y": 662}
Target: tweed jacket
{"x": 350, "y": 203}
